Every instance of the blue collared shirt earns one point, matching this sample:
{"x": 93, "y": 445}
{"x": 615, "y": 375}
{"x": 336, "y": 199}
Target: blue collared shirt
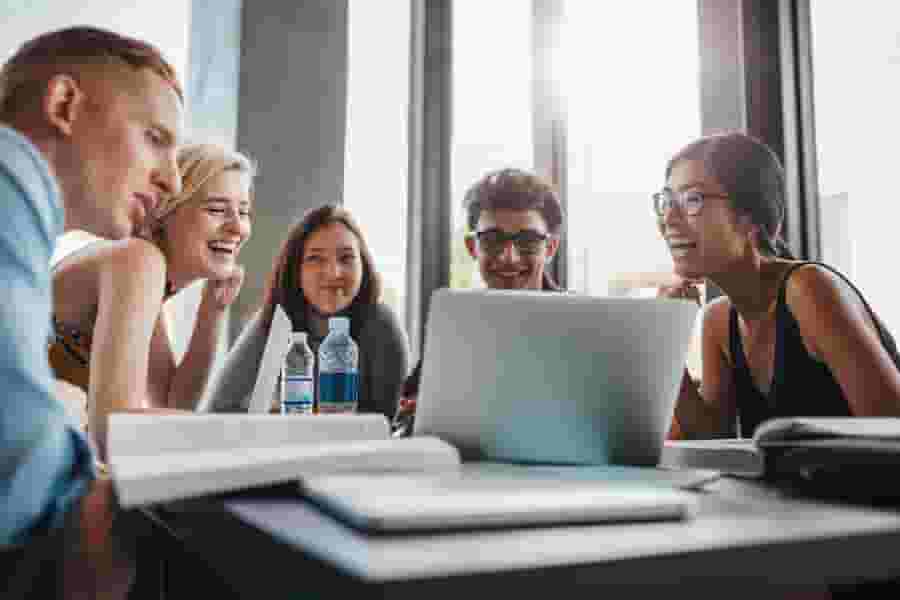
{"x": 45, "y": 463}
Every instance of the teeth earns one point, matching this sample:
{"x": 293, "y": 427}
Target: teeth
{"x": 225, "y": 247}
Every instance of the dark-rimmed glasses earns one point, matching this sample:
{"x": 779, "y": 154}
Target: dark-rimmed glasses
{"x": 689, "y": 202}
{"x": 527, "y": 241}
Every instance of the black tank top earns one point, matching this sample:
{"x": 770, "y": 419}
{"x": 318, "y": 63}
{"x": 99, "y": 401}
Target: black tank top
{"x": 801, "y": 385}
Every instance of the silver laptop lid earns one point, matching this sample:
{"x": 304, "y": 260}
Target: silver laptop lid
{"x": 540, "y": 377}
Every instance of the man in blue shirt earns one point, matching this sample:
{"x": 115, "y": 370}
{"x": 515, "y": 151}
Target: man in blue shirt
{"x": 89, "y": 122}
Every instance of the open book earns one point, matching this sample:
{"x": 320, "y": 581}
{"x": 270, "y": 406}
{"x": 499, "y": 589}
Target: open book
{"x": 160, "y": 458}
{"x": 792, "y": 445}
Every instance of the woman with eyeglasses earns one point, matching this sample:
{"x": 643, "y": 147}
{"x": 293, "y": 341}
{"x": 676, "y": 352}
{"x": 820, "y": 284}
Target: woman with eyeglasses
{"x": 324, "y": 269}
{"x": 787, "y": 337}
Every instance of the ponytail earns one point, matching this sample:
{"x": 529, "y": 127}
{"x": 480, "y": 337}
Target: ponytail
{"x": 782, "y": 250}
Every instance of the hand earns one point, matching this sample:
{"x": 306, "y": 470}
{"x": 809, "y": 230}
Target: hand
{"x": 681, "y": 289}
{"x": 224, "y": 291}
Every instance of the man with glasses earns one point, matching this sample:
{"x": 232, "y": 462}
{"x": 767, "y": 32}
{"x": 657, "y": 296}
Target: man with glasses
{"x": 514, "y": 219}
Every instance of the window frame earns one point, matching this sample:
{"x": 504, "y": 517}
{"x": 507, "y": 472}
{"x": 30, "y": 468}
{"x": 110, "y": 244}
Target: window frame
{"x": 743, "y": 86}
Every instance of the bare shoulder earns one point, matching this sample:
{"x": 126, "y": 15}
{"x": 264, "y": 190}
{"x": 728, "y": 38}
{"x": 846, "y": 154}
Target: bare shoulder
{"x": 102, "y": 255}
{"x": 812, "y": 287}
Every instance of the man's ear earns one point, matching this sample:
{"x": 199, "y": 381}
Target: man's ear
{"x": 63, "y": 102}
{"x": 471, "y": 247}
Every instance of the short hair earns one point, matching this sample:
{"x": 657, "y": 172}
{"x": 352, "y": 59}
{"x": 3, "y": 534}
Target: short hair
{"x": 283, "y": 287}
{"x": 517, "y": 190}
{"x": 197, "y": 164}
{"x": 24, "y": 76}
{"x": 751, "y": 175}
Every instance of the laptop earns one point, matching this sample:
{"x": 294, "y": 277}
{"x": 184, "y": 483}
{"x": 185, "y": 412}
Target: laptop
{"x": 533, "y": 389}
{"x": 537, "y": 377}
{"x": 259, "y": 400}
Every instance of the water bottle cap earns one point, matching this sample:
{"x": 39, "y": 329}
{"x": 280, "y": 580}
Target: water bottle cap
{"x": 341, "y": 324}
{"x": 298, "y": 337}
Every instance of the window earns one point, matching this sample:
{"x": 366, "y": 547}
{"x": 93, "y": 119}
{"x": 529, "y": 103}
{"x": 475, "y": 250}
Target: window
{"x": 631, "y": 105}
{"x": 856, "y": 90}
{"x": 375, "y": 166}
{"x": 492, "y": 98}
{"x": 163, "y": 23}
{"x": 631, "y": 79}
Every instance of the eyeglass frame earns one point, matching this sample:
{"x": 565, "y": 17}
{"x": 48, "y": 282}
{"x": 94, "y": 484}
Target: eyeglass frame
{"x": 542, "y": 238}
{"x": 676, "y": 199}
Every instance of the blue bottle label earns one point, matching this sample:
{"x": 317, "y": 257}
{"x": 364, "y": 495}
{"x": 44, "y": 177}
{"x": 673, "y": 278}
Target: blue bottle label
{"x": 338, "y": 392}
{"x": 298, "y": 395}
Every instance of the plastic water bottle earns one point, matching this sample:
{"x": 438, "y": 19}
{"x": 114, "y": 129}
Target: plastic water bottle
{"x": 297, "y": 392}
{"x": 338, "y": 369}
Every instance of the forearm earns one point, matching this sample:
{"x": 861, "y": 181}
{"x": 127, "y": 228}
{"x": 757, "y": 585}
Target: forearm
{"x": 693, "y": 417}
{"x": 192, "y": 374}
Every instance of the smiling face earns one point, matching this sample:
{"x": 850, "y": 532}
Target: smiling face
{"x": 331, "y": 268}
{"x": 202, "y": 237}
{"x": 509, "y": 268}
{"x": 707, "y": 243}
{"x": 121, "y": 151}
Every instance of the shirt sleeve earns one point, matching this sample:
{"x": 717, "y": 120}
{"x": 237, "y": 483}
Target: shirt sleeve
{"x": 45, "y": 464}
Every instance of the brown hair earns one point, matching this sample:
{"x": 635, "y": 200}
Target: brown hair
{"x": 752, "y": 177}
{"x": 284, "y": 286}
{"x": 23, "y": 77}
{"x": 517, "y": 190}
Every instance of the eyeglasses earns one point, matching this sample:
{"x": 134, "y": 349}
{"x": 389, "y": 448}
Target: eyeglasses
{"x": 689, "y": 202}
{"x": 527, "y": 241}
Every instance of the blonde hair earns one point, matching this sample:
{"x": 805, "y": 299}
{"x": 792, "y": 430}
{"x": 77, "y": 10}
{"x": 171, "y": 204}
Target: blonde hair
{"x": 197, "y": 164}
{"x": 23, "y": 78}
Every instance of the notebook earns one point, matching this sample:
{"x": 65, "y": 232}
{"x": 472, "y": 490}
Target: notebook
{"x": 537, "y": 377}
{"x": 488, "y": 495}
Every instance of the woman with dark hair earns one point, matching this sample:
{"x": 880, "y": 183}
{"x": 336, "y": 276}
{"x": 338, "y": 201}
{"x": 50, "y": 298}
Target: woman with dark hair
{"x": 324, "y": 269}
{"x": 787, "y": 337}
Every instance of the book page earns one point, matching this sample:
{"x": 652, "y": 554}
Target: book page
{"x": 145, "y": 479}
{"x": 132, "y": 434}
{"x": 733, "y": 456}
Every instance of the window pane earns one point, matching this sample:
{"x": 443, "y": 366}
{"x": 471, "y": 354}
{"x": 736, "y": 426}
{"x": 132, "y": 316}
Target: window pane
{"x": 631, "y": 106}
{"x": 632, "y": 103}
{"x": 491, "y": 105}
{"x": 856, "y": 94}
{"x": 375, "y": 167}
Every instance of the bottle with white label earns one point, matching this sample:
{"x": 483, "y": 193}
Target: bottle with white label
{"x": 297, "y": 391}
{"x": 338, "y": 369}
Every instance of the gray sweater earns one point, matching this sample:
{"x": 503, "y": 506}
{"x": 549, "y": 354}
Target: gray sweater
{"x": 383, "y": 363}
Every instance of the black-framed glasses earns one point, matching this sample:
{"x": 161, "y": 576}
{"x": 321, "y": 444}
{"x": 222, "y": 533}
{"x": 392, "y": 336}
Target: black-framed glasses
{"x": 527, "y": 241}
{"x": 689, "y": 202}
